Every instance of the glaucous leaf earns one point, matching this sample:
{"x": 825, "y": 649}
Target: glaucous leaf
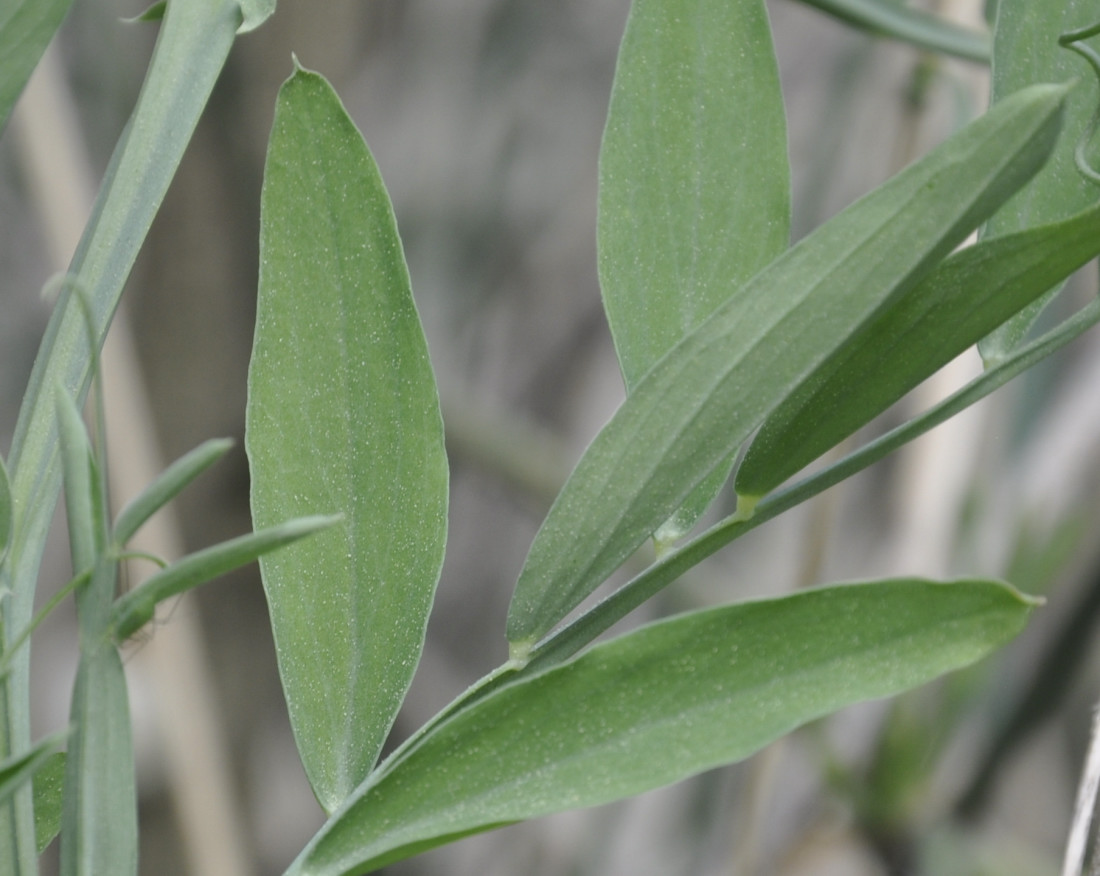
{"x": 1026, "y": 51}
{"x": 694, "y": 193}
{"x": 342, "y": 417}
{"x": 657, "y": 705}
{"x": 26, "y": 28}
{"x": 6, "y": 513}
{"x": 704, "y": 398}
{"x": 968, "y": 295}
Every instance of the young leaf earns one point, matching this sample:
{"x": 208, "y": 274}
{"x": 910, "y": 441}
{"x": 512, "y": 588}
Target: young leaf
{"x": 99, "y": 811}
{"x": 49, "y": 785}
{"x": 342, "y": 416}
{"x": 166, "y": 487}
{"x": 26, "y": 28}
{"x": 136, "y": 608}
{"x": 652, "y": 707}
{"x": 967, "y": 296}
{"x": 703, "y": 399}
{"x": 694, "y": 158}
{"x": 1026, "y": 51}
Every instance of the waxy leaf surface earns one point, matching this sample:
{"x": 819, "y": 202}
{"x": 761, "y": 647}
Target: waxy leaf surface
{"x": 660, "y": 704}
{"x": 343, "y": 417}
{"x": 694, "y": 182}
{"x": 704, "y": 398}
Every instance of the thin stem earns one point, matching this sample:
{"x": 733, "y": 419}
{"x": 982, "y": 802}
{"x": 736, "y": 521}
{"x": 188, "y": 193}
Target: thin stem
{"x": 1083, "y": 811}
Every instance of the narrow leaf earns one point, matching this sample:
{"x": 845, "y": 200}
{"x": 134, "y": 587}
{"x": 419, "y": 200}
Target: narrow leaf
{"x": 192, "y": 46}
{"x": 5, "y": 513}
{"x": 166, "y": 487}
{"x": 703, "y": 399}
{"x": 967, "y": 296}
{"x": 26, "y": 28}
{"x": 910, "y": 25}
{"x": 660, "y": 704}
{"x": 1026, "y": 51}
{"x": 136, "y": 608}
{"x": 16, "y": 771}
{"x": 76, "y": 459}
{"x": 694, "y": 180}
{"x": 342, "y": 416}
{"x": 99, "y": 812}
{"x": 49, "y": 785}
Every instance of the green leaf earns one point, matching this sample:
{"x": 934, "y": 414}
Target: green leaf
{"x": 154, "y": 13}
{"x": 49, "y": 784}
{"x": 136, "y": 608}
{"x": 5, "y": 513}
{"x": 256, "y": 12}
{"x": 26, "y": 28}
{"x": 1026, "y": 51}
{"x": 99, "y": 813}
{"x": 694, "y": 158}
{"x": 652, "y": 707}
{"x": 967, "y": 296}
{"x": 342, "y": 416}
{"x": 192, "y": 46}
{"x": 908, "y": 24}
{"x": 166, "y": 487}
{"x": 17, "y": 771}
{"x": 703, "y": 399}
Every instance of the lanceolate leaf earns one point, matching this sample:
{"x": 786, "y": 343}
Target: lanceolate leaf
{"x": 967, "y": 296}
{"x": 26, "y": 28}
{"x": 707, "y": 395}
{"x": 694, "y": 181}
{"x": 49, "y": 784}
{"x": 1026, "y": 51}
{"x": 342, "y": 417}
{"x": 658, "y": 705}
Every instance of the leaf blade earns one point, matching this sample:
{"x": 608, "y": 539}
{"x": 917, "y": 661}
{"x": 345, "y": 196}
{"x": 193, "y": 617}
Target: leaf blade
{"x": 342, "y": 416}
{"x": 25, "y": 31}
{"x": 695, "y": 149}
{"x": 667, "y": 701}
{"x": 707, "y": 395}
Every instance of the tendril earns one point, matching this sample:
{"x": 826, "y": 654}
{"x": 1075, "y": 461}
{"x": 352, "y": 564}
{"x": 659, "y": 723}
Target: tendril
{"x": 1074, "y": 41}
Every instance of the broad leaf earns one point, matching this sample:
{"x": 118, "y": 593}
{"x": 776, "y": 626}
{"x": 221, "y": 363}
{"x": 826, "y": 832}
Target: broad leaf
{"x": 26, "y": 28}
{"x": 1026, "y": 51}
{"x": 703, "y": 399}
{"x": 99, "y": 811}
{"x": 694, "y": 180}
{"x": 660, "y": 704}
{"x": 342, "y": 417}
{"x": 967, "y": 296}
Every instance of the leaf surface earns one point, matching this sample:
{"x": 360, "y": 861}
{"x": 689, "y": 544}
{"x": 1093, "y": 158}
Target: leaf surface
{"x": 342, "y": 417}
{"x": 694, "y": 181}
{"x": 26, "y": 28}
{"x": 1026, "y": 51}
{"x": 704, "y": 398}
{"x": 971, "y": 293}
{"x": 660, "y": 704}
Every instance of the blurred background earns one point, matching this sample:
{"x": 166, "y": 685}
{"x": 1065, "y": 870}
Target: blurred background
{"x": 485, "y": 117}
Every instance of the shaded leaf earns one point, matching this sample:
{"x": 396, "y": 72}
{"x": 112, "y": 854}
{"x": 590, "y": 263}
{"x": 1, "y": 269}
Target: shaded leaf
{"x": 703, "y": 399}
{"x": 967, "y": 296}
{"x": 26, "y": 28}
{"x": 1026, "y": 51}
{"x": 694, "y": 180}
{"x": 6, "y": 513}
{"x": 17, "y": 771}
{"x": 660, "y": 704}
{"x": 342, "y": 416}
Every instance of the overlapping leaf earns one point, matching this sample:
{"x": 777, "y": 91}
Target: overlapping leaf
{"x": 658, "y": 705}
{"x": 694, "y": 181}
{"x": 1026, "y": 51}
{"x": 703, "y": 399}
{"x": 967, "y": 296}
{"x": 342, "y": 417}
